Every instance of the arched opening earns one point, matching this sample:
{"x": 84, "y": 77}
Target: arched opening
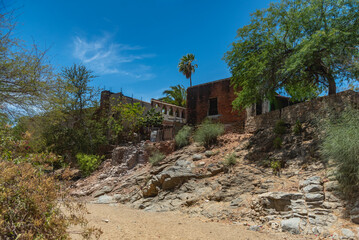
{"x": 177, "y": 113}
{"x": 164, "y": 110}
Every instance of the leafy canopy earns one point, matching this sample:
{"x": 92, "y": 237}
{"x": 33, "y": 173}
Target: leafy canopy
{"x": 300, "y": 47}
{"x": 176, "y": 95}
{"x": 186, "y": 67}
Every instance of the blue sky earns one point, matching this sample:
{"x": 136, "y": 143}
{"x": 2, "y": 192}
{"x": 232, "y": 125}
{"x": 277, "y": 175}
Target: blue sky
{"x": 136, "y": 45}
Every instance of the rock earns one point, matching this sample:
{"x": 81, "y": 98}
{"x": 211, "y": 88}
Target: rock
{"x": 255, "y": 228}
{"x": 236, "y": 202}
{"x": 314, "y": 197}
{"x": 215, "y": 169}
{"x": 279, "y": 201}
{"x": 312, "y": 188}
{"x": 331, "y": 186}
{"x": 201, "y": 164}
{"x": 291, "y": 225}
{"x": 347, "y": 233}
{"x": 105, "y": 199}
{"x": 197, "y": 157}
{"x": 105, "y": 189}
{"x": 151, "y": 189}
{"x": 208, "y": 153}
{"x": 102, "y": 176}
{"x": 354, "y": 215}
{"x": 315, "y": 180}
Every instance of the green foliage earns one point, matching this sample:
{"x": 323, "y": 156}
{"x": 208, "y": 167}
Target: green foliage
{"x": 280, "y": 127}
{"x": 156, "y": 157}
{"x": 186, "y": 67}
{"x": 182, "y": 137}
{"x": 88, "y": 163}
{"x": 24, "y": 74}
{"x": 230, "y": 160}
{"x": 297, "y": 130}
{"x": 277, "y": 142}
{"x": 126, "y": 120}
{"x": 177, "y": 95}
{"x": 276, "y": 166}
{"x": 341, "y": 144}
{"x": 207, "y": 132}
{"x": 152, "y": 119}
{"x": 297, "y": 47}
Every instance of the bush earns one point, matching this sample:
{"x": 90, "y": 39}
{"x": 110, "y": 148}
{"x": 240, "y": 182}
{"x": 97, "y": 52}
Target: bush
{"x": 276, "y": 166}
{"x": 277, "y": 142}
{"x": 341, "y": 144}
{"x": 280, "y": 127}
{"x": 297, "y": 128}
{"x": 88, "y": 163}
{"x": 182, "y": 137}
{"x": 156, "y": 157}
{"x": 29, "y": 206}
{"x": 230, "y": 160}
{"x": 208, "y": 132}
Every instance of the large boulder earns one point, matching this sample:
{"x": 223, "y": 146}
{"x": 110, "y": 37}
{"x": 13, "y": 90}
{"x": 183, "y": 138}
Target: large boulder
{"x": 291, "y": 225}
{"x": 280, "y": 201}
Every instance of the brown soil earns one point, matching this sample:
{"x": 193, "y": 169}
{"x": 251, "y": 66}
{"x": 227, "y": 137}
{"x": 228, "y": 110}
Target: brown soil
{"x": 121, "y": 222}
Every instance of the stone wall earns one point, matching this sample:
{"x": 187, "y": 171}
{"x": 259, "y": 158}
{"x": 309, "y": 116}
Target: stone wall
{"x": 198, "y": 102}
{"x": 304, "y": 111}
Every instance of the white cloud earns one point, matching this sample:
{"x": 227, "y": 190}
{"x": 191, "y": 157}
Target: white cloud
{"x": 105, "y": 56}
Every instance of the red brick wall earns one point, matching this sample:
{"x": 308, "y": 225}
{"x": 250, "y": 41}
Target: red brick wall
{"x": 198, "y": 102}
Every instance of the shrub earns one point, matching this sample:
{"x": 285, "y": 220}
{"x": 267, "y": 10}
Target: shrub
{"x": 280, "y": 127}
{"x": 182, "y": 137}
{"x": 275, "y": 165}
{"x": 156, "y": 157}
{"x": 88, "y": 163}
{"x": 29, "y": 205}
{"x": 297, "y": 128}
{"x": 230, "y": 160}
{"x": 208, "y": 132}
{"x": 277, "y": 142}
{"x": 341, "y": 144}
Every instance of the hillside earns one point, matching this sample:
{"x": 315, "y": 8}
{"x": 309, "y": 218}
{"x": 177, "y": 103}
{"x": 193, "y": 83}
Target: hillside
{"x": 270, "y": 189}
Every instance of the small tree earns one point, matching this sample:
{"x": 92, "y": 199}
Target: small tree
{"x": 177, "y": 95}
{"x": 186, "y": 67}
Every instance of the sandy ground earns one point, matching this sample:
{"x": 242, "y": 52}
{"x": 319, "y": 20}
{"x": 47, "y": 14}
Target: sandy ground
{"x": 126, "y": 223}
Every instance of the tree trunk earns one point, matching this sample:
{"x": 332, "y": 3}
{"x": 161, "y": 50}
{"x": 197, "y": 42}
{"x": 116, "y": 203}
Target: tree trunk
{"x": 332, "y": 86}
{"x": 190, "y": 81}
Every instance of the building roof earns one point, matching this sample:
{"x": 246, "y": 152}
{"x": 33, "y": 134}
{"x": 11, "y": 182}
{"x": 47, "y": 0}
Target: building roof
{"x": 220, "y": 80}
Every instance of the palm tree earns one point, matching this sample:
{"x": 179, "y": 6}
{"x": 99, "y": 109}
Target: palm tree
{"x": 186, "y": 67}
{"x": 175, "y": 95}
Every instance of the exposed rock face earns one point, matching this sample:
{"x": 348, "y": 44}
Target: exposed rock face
{"x": 291, "y": 225}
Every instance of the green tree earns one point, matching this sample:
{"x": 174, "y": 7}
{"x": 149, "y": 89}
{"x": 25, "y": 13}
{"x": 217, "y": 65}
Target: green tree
{"x": 186, "y": 67}
{"x": 301, "y": 47}
{"x": 176, "y": 95}
{"x": 24, "y": 73}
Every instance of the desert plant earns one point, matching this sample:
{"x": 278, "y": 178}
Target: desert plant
{"x": 341, "y": 144}
{"x": 230, "y": 160}
{"x": 156, "y": 157}
{"x": 88, "y": 163}
{"x": 280, "y": 127}
{"x": 182, "y": 137}
{"x": 207, "y": 132}
{"x": 29, "y": 205}
{"x": 277, "y": 142}
{"x": 297, "y": 128}
{"x": 276, "y": 166}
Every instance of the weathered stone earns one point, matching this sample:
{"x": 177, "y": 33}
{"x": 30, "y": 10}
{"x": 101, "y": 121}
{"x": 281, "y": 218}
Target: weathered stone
{"x": 236, "y": 202}
{"x": 312, "y": 188}
{"x": 255, "y": 228}
{"x": 197, "y": 157}
{"x": 151, "y": 189}
{"x": 354, "y": 215}
{"x": 279, "y": 201}
{"x": 347, "y": 233}
{"x": 314, "y": 197}
{"x": 215, "y": 169}
{"x": 105, "y": 189}
{"x": 316, "y": 180}
{"x": 291, "y": 225}
{"x": 105, "y": 199}
{"x": 331, "y": 186}
{"x": 208, "y": 153}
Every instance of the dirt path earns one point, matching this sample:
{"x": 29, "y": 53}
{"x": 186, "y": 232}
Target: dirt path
{"x": 126, "y": 223}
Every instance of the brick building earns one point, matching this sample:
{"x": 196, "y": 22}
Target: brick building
{"x": 213, "y": 100}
